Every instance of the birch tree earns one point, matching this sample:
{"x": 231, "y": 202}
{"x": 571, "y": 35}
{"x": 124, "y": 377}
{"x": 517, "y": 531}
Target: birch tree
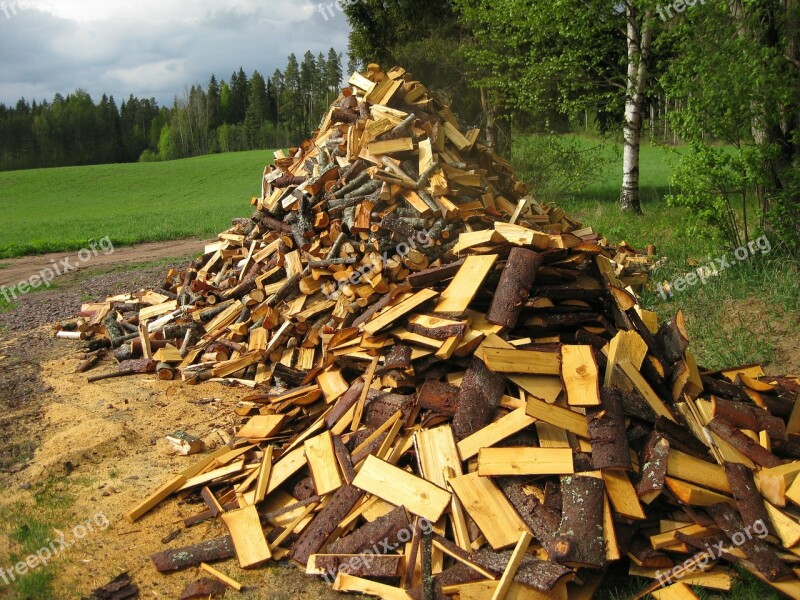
{"x": 574, "y": 55}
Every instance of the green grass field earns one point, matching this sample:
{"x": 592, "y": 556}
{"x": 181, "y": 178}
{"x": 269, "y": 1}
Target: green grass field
{"x": 50, "y": 210}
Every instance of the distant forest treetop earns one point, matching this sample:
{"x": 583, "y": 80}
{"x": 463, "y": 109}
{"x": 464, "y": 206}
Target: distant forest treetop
{"x": 243, "y": 113}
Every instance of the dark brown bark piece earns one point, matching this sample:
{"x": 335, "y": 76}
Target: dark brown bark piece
{"x": 642, "y": 549}
{"x": 543, "y": 521}
{"x": 607, "y": 433}
{"x": 478, "y": 399}
{"x": 756, "y": 550}
{"x": 190, "y": 556}
{"x": 316, "y": 533}
{"x": 747, "y": 416}
{"x": 119, "y": 588}
{"x": 439, "y": 333}
{"x": 671, "y": 341}
{"x": 345, "y": 403}
{"x": 380, "y": 536}
{"x": 514, "y": 287}
{"x": 362, "y": 566}
{"x": 438, "y": 396}
{"x": 542, "y": 575}
{"x": 748, "y": 499}
{"x": 654, "y": 466}
{"x": 378, "y": 410}
{"x": 681, "y": 438}
{"x": 430, "y": 277}
{"x": 580, "y": 541}
{"x": 204, "y": 588}
{"x": 398, "y": 357}
{"x": 755, "y": 452}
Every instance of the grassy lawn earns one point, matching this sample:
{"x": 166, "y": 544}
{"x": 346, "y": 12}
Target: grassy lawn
{"x": 50, "y": 210}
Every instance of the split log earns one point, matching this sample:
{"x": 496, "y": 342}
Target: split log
{"x": 514, "y": 287}
{"x": 380, "y": 567}
{"x": 191, "y": 556}
{"x": 756, "y": 550}
{"x": 438, "y": 396}
{"x": 433, "y": 276}
{"x": 380, "y": 536}
{"x": 327, "y": 520}
{"x": 653, "y": 468}
{"x": 749, "y": 417}
{"x": 607, "y": 434}
{"x": 580, "y": 540}
{"x": 478, "y": 398}
{"x": 748, "y": 499}
{"x": 755, "y": 452}
{"x": 541, "y": 575}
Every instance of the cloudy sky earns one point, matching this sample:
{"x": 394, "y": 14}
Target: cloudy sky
{"x": 152, "y": 48}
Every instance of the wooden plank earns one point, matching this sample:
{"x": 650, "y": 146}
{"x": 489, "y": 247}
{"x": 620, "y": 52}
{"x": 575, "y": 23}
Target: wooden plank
{"x": 458, "y": 295}
{"x": 695, "y": 470}
{"x": 511, "y": 568}
{"x": 323, "y": 464}
{"x": 490, "y": 509}
{"x": 622, "y": 494}
{"x": 248, "y": 536}
{"x": 350, "y": 583}
{"x": 401, "y": 488}
{"x": 676, "y": 591}
{"x": 232, "y": 583}
{"x": 261, "y": 427}
{"x": 558, "y": 416}
{"x": 390, "y": 315}
{"x": 580, "y": 375}
{"x": 694, "y": 495}
{"x": 640, "y": 383}
{"x": 530, "y": 362}
{"x": 525, "y": 461}
{"x": 512, "y": 423}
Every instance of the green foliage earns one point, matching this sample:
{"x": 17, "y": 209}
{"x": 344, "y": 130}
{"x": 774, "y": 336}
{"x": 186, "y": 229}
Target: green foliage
{"x": 717, "y": 185}
{"x": 749, "y": 103}
{"x": 557, "y": 166}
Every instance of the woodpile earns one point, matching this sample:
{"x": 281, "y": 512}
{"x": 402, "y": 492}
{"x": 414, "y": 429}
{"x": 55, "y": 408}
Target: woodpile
{"x": 486, "y": 412}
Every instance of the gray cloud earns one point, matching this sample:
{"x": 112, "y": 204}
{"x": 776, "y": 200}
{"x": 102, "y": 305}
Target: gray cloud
{"x": 152, "y": 48}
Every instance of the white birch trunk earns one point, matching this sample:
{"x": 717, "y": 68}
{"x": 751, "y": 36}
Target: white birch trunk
{"x": 640, "y": 37}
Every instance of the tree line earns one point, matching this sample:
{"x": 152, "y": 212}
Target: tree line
{"x": 243, "y": 113}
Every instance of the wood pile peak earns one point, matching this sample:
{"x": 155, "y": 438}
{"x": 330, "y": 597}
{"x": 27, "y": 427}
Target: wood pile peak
{"x": 457, "y": 391}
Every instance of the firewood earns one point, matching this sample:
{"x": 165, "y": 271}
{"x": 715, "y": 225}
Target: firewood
{"x": 191, "y": 556}
{"x": 426, "y": 339}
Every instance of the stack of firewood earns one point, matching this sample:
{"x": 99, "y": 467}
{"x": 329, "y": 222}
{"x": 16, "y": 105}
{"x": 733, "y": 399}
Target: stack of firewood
{"x": 466, "y": 397}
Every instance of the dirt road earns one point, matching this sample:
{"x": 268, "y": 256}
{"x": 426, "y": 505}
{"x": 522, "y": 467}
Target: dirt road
{"x": 14, "y": 270}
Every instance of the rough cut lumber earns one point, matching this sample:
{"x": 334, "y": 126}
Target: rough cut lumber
{"x": 514, "y": 287}
{"x": 351, "y": 583}
{"x": 747, "y": 497}
{"x": 400, "y": 488}
{"x": 490, "y": 509}
{"x": 248, "y": 536}
{"x": 314, "y": 535}
{"x": 458, "y": 295}
{"x": 512, "y": 423}
{"x": 558, "y": 416}
{"x": 580, "y": 375}
{"x": 370, "y": 536}
{"x": 391, "y": 314}
{"x": 323, "y": 464}
{"x": 755, "y": 452}
{"x": 232, "y": 583}
{"x": 525, "y": 461}
{"x": 380, "y": 567}
{"x": 529, "y": 362}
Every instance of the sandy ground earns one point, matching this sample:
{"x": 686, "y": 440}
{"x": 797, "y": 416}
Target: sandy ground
{"x": 104, "y": 443}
